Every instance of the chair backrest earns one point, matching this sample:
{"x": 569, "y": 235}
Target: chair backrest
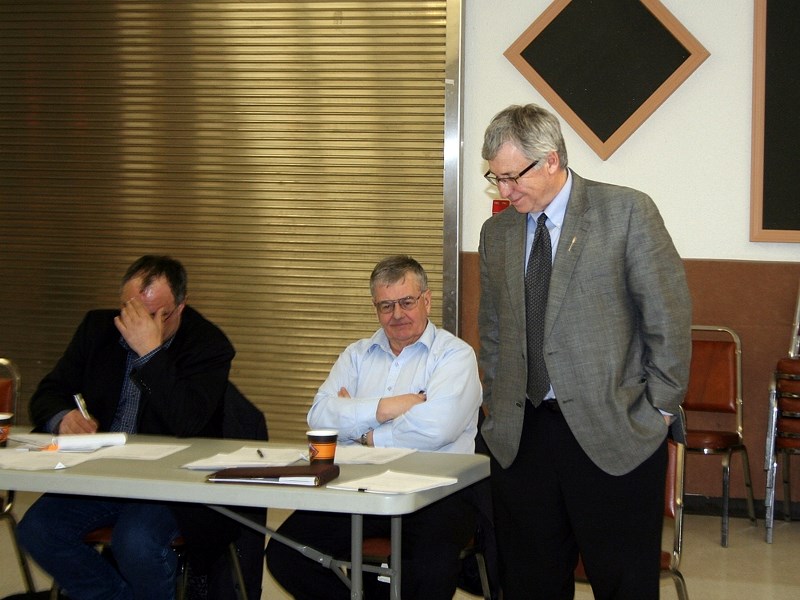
{"x": 241, "y": 419}
{"x": 673, "y": 497}
{"x": 671, "y": 494}
{"x": 715, "y": 375}
{"x": 10, "y": 382}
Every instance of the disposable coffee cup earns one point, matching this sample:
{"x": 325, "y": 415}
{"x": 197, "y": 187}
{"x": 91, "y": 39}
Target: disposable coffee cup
{"x": 322, "y": 445}
{"x": 5, "y": 428}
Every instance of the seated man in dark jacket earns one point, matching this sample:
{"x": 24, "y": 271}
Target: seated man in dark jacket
{"x": 154, "y": 366}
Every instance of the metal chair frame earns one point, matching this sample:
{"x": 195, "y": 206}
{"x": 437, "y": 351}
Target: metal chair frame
{"x": 794, "y": 344}
{"x": 775, "y": 434}
{"x": 785, "y": 384}
{"x": 8, "y": 496}
{"x": 727, "y": 451}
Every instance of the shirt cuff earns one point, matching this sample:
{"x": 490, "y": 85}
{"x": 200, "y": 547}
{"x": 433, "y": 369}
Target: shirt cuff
{"x": 53, "y": 423}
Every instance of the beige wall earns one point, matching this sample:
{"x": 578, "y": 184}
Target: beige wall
{"x": 692, "y": 155}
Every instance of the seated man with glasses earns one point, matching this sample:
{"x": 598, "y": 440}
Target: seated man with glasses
{"x": 410, "y": 385}
{"x": 155, "y": 365}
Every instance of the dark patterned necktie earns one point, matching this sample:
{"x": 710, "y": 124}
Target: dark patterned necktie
{"x": 537, "y": 283}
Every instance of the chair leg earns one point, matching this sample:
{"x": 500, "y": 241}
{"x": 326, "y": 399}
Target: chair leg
{"x": 182, "y": 575}
{"x": 748, "y": 482}
{"x": 236, "y": 572}
{"x": 770, "y": 462}
{"x": 726, "y": 484}
{"x": 484, "y": 575}
{"x": 769, "y": 499}
{"x": 680, "y": 585}
{"x": 787, "y": 486}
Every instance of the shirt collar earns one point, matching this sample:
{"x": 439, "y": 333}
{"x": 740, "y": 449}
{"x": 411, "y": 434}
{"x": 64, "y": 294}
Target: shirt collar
{"x": 379, "y": 339}
{"x": 558, "y": 207}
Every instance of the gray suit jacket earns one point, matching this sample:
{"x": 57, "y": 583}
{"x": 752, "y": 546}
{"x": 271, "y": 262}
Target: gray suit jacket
{"x": 617, "y": 326}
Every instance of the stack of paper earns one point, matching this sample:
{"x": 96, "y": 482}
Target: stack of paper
{"x": 394, "y": 482}
{"x": 367, "y": 455}
{"x": 89, "y": 442}
{"x": 247, "y": 457}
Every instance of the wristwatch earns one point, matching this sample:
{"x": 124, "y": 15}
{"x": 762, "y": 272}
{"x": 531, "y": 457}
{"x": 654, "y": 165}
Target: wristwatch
{"x": 363, "y": 439}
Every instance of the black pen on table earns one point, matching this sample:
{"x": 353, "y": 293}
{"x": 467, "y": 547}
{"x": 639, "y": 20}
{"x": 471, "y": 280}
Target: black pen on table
{"x": 260, "y": 453}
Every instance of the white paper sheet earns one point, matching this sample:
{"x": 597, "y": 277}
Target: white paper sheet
{"x": 140, "y": 451}
{"x": 32, "y": 440}
{"x": 12, "y": 458}
{"x": 393, "y": 482}
{"x": 247, "y": 457}
{"x": 366, "y": 455}
{"x": 31, "y": 456}
{"x": 89, "y": 442}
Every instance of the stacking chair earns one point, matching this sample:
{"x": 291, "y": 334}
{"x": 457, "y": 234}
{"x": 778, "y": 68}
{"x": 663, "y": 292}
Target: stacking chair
{"x": 715, "y": 386}
{"x": 673, "y": 511}
{"x": 783, "y": 425}
{"x": 378, "y": 551}
{"x": 10, "y": 381}
{"x": 101, "y": 540}
{"x": 241, "y": 420}
{"x": 794, "y": 344}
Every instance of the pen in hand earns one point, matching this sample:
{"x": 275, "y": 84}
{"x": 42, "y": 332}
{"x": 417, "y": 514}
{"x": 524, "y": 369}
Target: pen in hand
{"x": 81, "y": 403}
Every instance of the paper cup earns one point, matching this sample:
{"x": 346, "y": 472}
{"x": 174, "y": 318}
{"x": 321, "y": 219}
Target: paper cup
{"x": 322, "y": 445}
{"x": 5, "y": 427}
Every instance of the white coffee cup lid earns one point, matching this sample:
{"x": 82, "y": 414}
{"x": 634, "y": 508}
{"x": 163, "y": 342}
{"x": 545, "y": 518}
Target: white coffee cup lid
{"x": 322, "y": 432}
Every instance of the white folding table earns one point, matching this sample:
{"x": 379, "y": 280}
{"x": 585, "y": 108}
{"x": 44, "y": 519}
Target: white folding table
{"x": 164, "y": 479}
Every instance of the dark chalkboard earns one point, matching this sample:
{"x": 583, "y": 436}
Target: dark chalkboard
{"x": 606, "y": 66}
{"x": 775, "y": 203}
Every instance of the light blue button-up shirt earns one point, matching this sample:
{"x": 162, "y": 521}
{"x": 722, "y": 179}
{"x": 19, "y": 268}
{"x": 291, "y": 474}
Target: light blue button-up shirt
{"x": 440, "y": 364}
{"x": 555, "y": 220}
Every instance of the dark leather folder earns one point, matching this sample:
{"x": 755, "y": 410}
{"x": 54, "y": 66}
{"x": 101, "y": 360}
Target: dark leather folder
{"x": 309, "y": 475}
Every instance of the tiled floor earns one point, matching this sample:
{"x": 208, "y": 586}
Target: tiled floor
{"x": 749, "y": 569}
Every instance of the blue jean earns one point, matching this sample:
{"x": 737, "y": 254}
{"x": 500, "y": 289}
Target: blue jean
{"x": 53, "y": 529}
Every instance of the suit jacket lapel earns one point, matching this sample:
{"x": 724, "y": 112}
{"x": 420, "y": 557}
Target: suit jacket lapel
{"x": 576, "y": 225}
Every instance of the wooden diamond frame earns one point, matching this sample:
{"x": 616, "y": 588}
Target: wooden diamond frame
{"x": 606, "y": 145}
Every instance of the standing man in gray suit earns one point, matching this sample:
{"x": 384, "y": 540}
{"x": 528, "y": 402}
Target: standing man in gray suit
{"x": 585, "y": 362}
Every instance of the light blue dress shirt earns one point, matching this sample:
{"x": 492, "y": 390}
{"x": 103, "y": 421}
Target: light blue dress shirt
{"x": 555, "y": 220}
{"x": 439, "y": 363}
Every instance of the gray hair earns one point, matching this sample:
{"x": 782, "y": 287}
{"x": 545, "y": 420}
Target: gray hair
{"x": 532, "y": 129}
{"x": 393, "y": 269}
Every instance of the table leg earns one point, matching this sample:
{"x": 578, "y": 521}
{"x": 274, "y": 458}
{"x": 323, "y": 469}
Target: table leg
{"x": 356, "y": 564}
{"x": 356, "y": 557}
{"x": 396, "y": 558}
